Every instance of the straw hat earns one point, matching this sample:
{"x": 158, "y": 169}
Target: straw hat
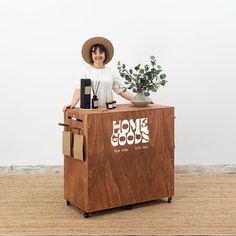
{"x": 97, "y": 40}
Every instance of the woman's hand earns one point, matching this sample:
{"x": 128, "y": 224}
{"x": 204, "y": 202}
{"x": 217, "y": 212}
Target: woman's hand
{"x": 75, "y": 100}
{"x": 67, "y": 107}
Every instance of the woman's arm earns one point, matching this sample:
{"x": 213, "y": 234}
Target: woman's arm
{"x": 127, "y": 94}
{"x": 75, "y": 100}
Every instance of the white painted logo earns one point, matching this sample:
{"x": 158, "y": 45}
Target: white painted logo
{"x": 130, "y": 132}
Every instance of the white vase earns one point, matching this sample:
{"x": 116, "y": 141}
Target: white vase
{"x": 140, "y": 100}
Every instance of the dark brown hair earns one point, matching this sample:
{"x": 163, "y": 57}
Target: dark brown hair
{"x": 94, "y": 48}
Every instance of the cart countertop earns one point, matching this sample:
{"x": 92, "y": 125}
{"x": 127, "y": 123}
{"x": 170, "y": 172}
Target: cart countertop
{"x": 119, "y": 108}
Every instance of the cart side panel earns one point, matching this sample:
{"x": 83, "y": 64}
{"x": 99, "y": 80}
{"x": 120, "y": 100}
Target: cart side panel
{"x": 75, "y": 171}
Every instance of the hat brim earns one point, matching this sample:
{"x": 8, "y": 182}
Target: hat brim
{"x": 97, "y": 40}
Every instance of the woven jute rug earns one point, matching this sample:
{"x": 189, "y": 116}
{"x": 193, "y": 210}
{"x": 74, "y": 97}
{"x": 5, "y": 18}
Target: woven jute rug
{"x": 33, "y": 204}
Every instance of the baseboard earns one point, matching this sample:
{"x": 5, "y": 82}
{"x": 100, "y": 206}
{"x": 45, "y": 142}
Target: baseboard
{"x": 208, "y": 169}
{"x": 32, "y": 169}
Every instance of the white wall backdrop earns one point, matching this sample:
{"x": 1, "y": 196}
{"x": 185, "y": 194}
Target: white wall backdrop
{"x": 194, "y": 41}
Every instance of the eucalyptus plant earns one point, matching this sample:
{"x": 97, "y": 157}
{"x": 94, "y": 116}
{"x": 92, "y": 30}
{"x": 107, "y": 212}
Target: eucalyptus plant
{"x": 143, "y": 79}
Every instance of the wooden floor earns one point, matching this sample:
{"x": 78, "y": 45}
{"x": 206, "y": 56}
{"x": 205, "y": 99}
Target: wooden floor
{"x": 204, "y": 204}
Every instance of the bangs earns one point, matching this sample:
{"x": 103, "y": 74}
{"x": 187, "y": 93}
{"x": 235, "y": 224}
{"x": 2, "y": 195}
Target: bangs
{"x": 98, "y": 46}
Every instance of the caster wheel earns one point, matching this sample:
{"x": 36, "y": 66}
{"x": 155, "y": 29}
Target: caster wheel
{"x": 86, "y": 215}
{"x": 67, "y": 203}
{"x": 169, "y": 199}
{"x": 129, "y": 207}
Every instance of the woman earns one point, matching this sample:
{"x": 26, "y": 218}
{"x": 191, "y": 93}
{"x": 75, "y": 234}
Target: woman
{"x": 97, "y": 52}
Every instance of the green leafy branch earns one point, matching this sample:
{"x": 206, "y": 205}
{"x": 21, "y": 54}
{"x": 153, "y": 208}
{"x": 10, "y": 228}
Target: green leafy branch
{"x": 143, "y": 79}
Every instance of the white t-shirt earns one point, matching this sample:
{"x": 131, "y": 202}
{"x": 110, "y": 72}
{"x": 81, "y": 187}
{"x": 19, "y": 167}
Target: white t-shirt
{"x": 109, "y": 81}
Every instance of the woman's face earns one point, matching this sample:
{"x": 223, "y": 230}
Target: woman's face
{"x": 98, "y": 56}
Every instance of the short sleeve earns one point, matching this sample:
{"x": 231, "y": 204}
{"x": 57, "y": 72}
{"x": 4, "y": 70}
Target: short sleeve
{"x": 118, "y": 85}
{"x": 79, "y": 76}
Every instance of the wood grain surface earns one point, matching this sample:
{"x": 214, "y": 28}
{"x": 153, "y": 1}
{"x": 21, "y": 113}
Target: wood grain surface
{"x": 117, "y": 176}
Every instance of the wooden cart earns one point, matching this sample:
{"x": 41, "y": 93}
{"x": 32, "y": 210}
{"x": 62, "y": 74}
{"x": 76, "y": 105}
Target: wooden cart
{"x": 118, "y": 157}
